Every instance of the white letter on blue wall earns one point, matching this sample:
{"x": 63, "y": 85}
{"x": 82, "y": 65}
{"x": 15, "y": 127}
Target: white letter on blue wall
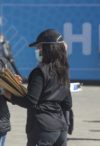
{"x": 84, "y": 38}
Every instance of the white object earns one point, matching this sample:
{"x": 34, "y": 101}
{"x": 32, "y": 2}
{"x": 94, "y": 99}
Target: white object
{"x": 75, "y": 87}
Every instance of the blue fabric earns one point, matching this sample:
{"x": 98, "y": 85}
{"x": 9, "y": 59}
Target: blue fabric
{"x": 2, "y": 140}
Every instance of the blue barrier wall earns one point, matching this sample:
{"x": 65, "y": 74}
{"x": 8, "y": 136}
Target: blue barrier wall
{"x": 78, "y": 21}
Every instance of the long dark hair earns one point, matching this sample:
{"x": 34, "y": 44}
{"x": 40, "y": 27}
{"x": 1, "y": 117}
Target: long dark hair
{"x": 55, "y": 55}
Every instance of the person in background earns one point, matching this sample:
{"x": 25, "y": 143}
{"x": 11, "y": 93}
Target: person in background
{"x": 5, "y": 58}
{"x": 48, "y": 98}
{"x": 6, "y": 52}
{"x": 5, "y": 125}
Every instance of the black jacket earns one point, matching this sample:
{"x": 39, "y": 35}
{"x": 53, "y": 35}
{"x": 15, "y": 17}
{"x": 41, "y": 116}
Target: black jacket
{"x": 46, "y": 101}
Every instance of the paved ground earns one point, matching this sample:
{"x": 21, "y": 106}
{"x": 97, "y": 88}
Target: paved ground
{"x": 86, "y": 105}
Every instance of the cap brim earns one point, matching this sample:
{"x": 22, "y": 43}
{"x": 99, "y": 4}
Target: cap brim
{"x": 33, "y": 44}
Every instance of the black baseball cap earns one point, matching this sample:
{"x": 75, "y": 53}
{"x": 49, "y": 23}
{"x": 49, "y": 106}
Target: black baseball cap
{"x": 48, "y": 36}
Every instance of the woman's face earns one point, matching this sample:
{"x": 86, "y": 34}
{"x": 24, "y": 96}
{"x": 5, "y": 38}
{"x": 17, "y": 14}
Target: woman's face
{"x": 38, "y": 53}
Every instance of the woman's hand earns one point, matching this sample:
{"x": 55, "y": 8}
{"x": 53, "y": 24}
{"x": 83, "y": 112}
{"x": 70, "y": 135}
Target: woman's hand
{"x": 18, "y": 78}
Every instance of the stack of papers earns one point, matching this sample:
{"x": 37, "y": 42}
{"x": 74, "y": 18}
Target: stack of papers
{"x": 9, "y": 82}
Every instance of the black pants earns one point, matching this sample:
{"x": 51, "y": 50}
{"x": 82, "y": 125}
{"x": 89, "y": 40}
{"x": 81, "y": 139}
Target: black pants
{"x": 45, "y": 138}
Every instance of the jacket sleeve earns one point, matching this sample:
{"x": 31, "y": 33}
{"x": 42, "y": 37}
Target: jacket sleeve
{"x": 66, "y": 104}
{"x": 35, "y": 87}
{"x": 68, "y": 112}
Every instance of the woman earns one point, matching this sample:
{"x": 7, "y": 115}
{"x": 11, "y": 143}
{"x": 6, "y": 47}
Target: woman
{"x": 48, "y": 98}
